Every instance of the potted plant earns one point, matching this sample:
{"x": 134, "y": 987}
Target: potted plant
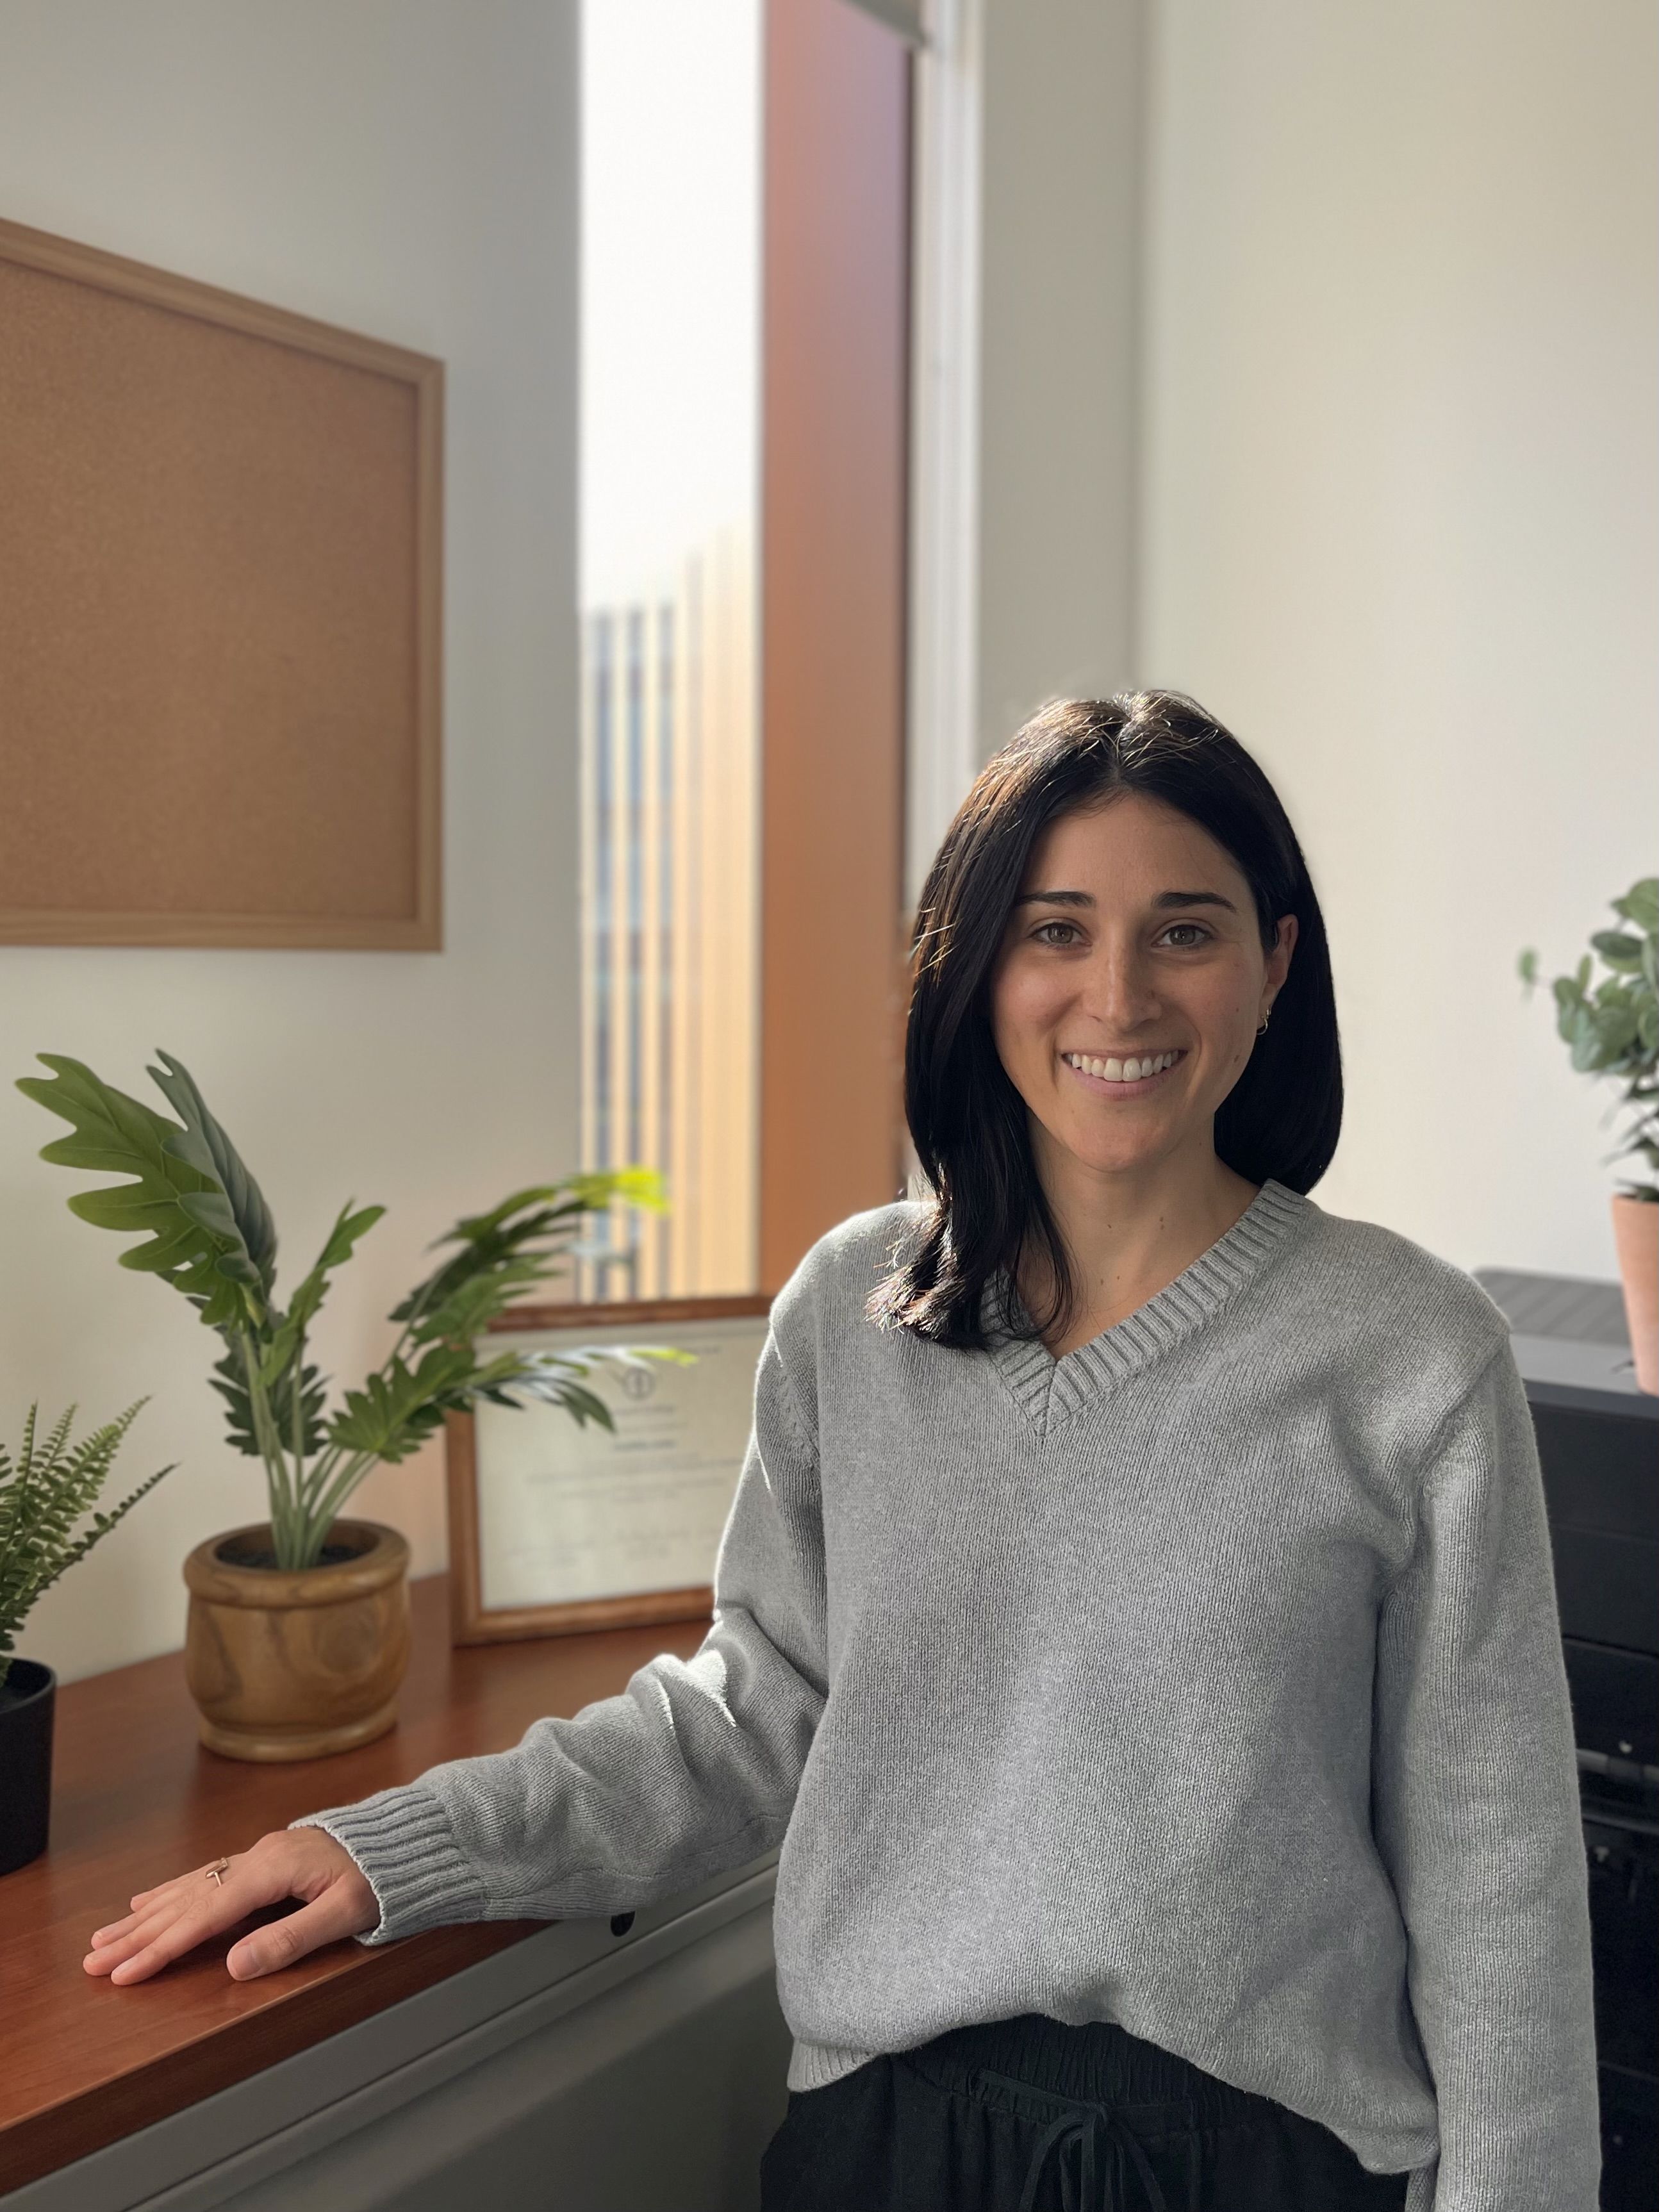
{"x": 297, "y": 1636}
{"x": 1614, "y": 1029}
{"x": 43, "y": 1494}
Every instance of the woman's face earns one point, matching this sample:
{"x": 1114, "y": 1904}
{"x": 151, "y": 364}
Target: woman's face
{"x": 1134, "y": 937}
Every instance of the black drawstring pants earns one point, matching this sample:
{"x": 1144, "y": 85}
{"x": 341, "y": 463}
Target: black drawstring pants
{"x": 1029, "y": 2115}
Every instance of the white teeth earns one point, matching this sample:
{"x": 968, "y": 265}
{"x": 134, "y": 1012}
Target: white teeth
{"x": 1124, "y": 1070}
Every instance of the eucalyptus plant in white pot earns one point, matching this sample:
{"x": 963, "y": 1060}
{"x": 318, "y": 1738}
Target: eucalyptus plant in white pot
{"x": 1613, "y": 1030}
{"x": 298, "y": 1631}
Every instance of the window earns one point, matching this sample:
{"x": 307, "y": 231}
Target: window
{"x": 744, "y": 303}
{"x": 670, "y": 318}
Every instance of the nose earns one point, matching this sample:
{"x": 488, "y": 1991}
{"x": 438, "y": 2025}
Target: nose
{"x": 1117, "y": 990}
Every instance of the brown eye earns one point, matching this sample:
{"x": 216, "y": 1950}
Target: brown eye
{"x": 1044, "y": 927}
{"x": 1203, "y": 933}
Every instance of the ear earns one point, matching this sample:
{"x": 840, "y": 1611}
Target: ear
{"x": 1279, "y": 960}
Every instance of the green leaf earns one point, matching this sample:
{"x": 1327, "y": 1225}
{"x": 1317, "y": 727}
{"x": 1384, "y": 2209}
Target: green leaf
{"x": 236, "y": 1211}
{"x": 1619, "y": 951}
{"x": 476, "y": 1228}
{"x": 475, "y": 1301}
{"x": 491, "y": 1242}
{"x": 517, "y": 1245}
{"x": 588, "y": 1191}
{"x": 307, "y": 1299}
{"x": 516, "y": 1376}
{"x": 1527, "y": 966}
{"x": 1616, "y": 1029}
{"x": 397, "y": 1409}
{"x": 554, "y": 1378}
{"x": 1640, "y": 904}
{"x": 114, "y": 1133}
{"x": 230, "y": 1381}
{"x": 1585, "y": 1039}
{"x": 640, "y": 1187}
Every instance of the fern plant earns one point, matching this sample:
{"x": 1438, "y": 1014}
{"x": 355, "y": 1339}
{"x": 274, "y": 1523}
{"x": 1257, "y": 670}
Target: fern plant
{"x": 208, "y": 1231}
{"x": 1614, "y": 1029}
{"x": 43, "y": 1494}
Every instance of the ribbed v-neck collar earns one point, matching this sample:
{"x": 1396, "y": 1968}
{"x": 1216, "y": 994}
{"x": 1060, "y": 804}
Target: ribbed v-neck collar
{"x": 1050, "y": 1391}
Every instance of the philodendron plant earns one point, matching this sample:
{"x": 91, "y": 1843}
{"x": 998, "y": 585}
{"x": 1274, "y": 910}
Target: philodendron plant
{"x": 209, "y": 1232}
{"x": 1614, "y": 1029}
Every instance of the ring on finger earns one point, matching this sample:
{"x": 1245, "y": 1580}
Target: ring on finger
{"x": 217, "y": 1872}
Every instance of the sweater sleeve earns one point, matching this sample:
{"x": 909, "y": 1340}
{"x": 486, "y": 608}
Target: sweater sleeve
{"x": 1477, "y": 1818}
{"x": 692, "y": 1769}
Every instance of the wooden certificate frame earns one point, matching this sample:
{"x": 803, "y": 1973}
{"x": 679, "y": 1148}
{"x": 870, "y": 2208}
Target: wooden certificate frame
{"x": 221, "y": 571}
{"x": 680, "y": 1321}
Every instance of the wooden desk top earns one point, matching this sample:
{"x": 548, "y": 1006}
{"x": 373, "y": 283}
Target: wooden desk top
{"x": 137, "y": 1799}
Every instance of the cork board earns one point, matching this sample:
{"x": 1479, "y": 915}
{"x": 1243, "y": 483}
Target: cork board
{"x": 220, "y": 602}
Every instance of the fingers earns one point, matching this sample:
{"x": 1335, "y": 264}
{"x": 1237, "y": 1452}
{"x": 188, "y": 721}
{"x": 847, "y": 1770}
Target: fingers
{"x": 116, "y": 1927}
{"x": 145, "y": 1899}
{"x": 335, "y": 1913}
{"x": 156, "y": 1938}
{"x": 117, "y": 1942}
{"x": 174, "y": 1917}
{"x": 177, "y": 1916}
{"x": 184, "y": 1886}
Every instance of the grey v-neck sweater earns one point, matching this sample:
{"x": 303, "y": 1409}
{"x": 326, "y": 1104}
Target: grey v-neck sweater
{"x": 1208, "y": 1679}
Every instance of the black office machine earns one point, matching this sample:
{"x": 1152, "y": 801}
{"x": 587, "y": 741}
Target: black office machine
{"x": 1598, "y": 1441}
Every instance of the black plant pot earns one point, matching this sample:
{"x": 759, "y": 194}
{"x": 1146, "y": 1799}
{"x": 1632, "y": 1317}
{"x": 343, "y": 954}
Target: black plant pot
{"x": 27, "y": 1700}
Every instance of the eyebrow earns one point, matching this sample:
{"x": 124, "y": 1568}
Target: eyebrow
{"x": 1164, "y": 899}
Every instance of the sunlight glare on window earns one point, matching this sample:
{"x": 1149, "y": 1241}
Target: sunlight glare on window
{"x": 670, "y": 768}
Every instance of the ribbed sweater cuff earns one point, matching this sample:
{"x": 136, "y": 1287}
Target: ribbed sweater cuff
{"x": 406, "y": 1849}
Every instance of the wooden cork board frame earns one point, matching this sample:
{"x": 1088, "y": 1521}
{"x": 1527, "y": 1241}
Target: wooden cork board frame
{"x": 220, "y": 533}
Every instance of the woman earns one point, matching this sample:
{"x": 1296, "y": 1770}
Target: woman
{"x": 1135, "y": 1621}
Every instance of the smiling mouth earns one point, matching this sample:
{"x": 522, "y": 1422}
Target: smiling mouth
{"x": 1121, "y": 1079}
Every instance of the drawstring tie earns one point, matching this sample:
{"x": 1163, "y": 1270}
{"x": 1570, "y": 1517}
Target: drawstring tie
{"x": 1084, "y": 2120}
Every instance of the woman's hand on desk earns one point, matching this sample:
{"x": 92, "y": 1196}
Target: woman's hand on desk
{"x": 166, "y": 1922}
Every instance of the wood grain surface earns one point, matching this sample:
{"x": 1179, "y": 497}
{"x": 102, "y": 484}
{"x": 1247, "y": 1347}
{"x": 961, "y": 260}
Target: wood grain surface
{"x": 136, "y": 1800}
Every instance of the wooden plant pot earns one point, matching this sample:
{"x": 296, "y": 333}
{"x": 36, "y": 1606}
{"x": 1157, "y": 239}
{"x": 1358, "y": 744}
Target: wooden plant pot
{"x": 287, "y": 1664}
{"x": 1635, "y": 1236}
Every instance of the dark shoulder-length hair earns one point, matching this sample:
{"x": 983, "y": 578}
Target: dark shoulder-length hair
{"x": 968, "y": 1122}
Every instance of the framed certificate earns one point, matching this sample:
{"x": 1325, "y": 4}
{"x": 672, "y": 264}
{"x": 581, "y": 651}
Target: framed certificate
{"x": 556, "y": 1527}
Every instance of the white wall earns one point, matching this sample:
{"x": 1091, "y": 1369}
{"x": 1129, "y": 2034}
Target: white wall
{"x": 406, "y": 168}
{"x": 1317, "y": 349}
{"x": 1398, "y": 531}
{"x": 1060, "y": 186}
{"x": 1394, "y": 524}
